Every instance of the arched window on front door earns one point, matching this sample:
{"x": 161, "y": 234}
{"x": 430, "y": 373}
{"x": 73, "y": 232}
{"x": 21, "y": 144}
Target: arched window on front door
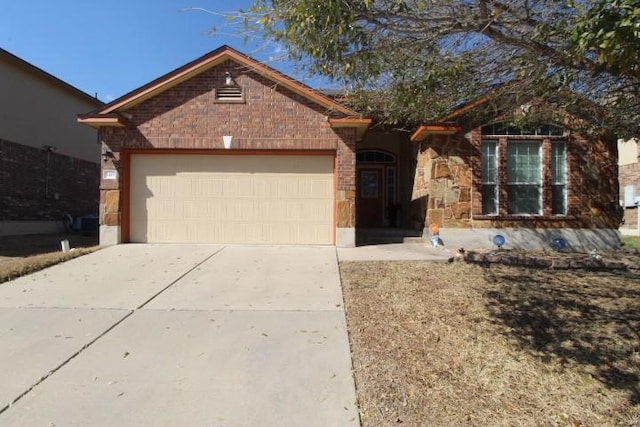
{"x": 375, "y": 156}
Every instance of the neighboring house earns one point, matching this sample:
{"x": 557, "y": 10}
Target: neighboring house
{"x": 629, "y": 173}
{"x": 227, "y": 150}
{"x": 49, "y": 164}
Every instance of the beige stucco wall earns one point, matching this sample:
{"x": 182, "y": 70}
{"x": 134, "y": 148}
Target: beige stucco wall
{"x": 627, "y": 152}
{"x": 37, "y": 110}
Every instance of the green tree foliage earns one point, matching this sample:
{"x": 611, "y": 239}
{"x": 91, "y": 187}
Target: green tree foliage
{"x": 415, "y": 60}
{"x": 610, "y": 34}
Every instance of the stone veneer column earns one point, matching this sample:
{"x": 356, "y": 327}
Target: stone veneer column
{"x": 110, "y": 215}
{"x": 346, "y": 195}
{"x": 444, "y": 177}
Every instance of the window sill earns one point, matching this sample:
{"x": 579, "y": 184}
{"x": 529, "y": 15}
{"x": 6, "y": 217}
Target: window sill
{"x": 523, "y": 217}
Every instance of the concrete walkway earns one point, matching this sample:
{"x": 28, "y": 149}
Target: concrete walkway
{"x": 396, "y": 252}
{"x": 166, "y": 335}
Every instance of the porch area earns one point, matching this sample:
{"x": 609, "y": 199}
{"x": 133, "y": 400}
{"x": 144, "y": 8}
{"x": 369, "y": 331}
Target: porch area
{"x": 387, "y": 211}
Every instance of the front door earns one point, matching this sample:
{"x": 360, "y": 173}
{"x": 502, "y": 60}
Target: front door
{"x": 370, "y": 202}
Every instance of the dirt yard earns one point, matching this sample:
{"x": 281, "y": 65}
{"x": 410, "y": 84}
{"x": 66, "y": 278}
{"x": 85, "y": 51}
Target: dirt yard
{"x": 468, "y": 345}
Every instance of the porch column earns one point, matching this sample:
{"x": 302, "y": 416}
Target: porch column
{"x": 110, "y": 198}
{"x": 346, "y": 191}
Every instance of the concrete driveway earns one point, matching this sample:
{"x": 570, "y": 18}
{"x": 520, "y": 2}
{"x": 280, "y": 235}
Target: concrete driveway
{"x": 168, "y": 335}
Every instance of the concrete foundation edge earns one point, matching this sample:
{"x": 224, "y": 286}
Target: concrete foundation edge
{"x": 345, "y": 237}
{"x": 110, "y": 235}
{"x": 582, "y": 240}
{"x": 629, "y": 232}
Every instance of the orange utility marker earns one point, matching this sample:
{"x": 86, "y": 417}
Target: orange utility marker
{"x": 435, "y": 234}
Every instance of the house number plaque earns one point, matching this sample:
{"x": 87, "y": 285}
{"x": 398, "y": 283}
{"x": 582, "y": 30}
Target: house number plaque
{"x": 109, "y": 174}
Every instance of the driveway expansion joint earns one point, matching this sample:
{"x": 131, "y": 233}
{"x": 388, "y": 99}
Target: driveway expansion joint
{"x": 65, "y": 362}
{"x": 90, "y": 343}
{"x": 249, "y": 322}
{"x": 157, "y": 294}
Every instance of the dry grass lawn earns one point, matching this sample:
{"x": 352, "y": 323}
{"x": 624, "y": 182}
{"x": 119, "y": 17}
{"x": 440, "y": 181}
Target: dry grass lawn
{"x": 25, "y": 254}
{"x": 465, "y": 345}
{"x": 12, "y": 268}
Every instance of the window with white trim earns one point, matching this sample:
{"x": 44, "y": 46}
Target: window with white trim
{"x": 489, "y": 177}
{"x": 559, "y": 178}
{"x": 524, "y": 178}
{"x": 534, "y": 181}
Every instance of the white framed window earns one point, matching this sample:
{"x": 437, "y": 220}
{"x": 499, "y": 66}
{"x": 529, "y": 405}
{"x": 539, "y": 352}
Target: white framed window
{"x": 524, "y": 171}
{"x": 489, "y": 177}
{"x": 524, "y": 178}
{"x": 559, "y": 178}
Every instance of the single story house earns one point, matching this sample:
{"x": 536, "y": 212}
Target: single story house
{"x": 227, "y": 150}
{"x": 49, "y": 164}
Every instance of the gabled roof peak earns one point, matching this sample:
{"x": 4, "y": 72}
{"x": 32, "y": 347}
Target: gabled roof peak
{"x": 205, "y": 62}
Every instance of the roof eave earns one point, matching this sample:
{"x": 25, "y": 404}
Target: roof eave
{"x": 361, "y": 125}
{"x": 102, "y": 120}
{"x": 439, "y": 129}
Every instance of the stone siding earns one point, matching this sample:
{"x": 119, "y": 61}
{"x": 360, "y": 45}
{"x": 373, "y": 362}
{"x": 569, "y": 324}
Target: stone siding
{"x": 449, "y": 170}
{"x": 444, "y": 179}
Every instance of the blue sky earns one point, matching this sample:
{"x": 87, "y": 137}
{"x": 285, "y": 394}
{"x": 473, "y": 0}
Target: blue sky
{"x": 113, "y": 47}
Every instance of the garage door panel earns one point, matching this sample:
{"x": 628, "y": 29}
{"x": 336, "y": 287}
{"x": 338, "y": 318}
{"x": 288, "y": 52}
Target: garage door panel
{"x": 239, "y": 232}
{"x": 232, "y": 199}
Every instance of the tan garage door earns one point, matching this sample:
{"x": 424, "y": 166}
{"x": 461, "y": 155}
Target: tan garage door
{"x": 231, "y": 199}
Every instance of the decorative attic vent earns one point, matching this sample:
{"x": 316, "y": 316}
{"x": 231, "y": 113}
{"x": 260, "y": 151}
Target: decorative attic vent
{"x": 230, "y": 91}
{"x": 229, "y": 94}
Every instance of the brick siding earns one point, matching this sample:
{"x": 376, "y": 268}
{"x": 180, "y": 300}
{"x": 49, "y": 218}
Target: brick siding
{"x": 188, "y": 116}
{"x": 39, "y": 185}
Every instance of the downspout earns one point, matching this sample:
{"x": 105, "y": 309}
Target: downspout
{"x": 49, "y": 149}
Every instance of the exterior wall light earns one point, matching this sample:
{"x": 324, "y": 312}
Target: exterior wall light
{"x": 227, "y": 141}
{"x": 107, "y": 155}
